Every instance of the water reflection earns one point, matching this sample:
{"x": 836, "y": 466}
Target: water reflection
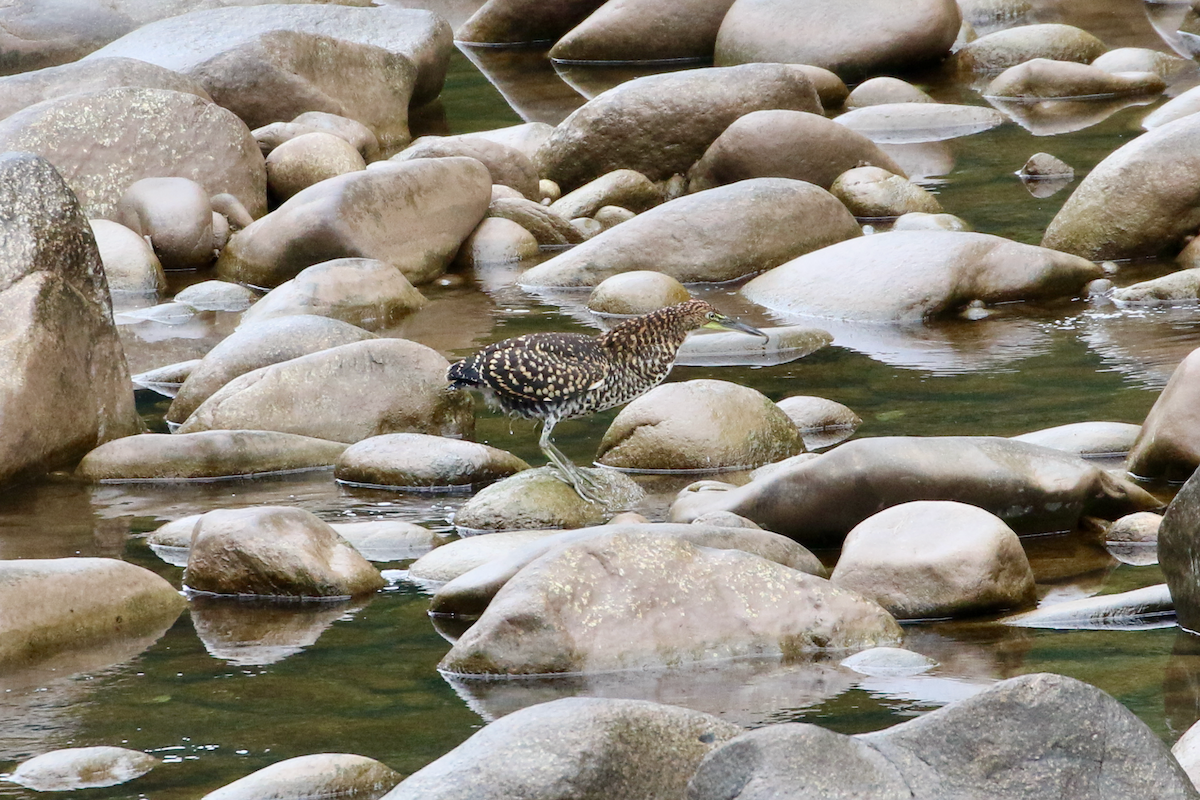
{"x": 527, "y": 81}
{"x": 1053, "y": 117}
{"x": 246, "y": 632}
{"x": 1146, "y": 344}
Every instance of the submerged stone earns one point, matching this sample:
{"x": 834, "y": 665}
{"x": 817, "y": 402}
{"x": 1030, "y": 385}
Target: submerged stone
{"x": 82, "y": 768}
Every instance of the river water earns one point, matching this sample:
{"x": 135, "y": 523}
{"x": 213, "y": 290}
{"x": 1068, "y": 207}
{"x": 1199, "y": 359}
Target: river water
{"x": 231, "y": 688}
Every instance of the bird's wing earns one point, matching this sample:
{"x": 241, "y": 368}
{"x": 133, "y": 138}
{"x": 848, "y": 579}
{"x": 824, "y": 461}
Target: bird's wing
{"x": 546, "y": 367}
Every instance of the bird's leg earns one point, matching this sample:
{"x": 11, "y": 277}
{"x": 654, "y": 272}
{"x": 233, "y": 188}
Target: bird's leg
{"x": 583, "y": 484}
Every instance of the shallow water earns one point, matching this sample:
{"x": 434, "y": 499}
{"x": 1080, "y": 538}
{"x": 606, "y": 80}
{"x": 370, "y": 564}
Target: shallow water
{"x": 230, "y": 688}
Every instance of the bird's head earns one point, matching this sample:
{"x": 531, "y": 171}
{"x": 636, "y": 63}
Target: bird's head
{"x": 700, "y": 314}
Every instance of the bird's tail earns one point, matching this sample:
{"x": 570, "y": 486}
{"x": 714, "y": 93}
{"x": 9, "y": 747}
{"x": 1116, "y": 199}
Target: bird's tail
{"x": 463, "y": 375}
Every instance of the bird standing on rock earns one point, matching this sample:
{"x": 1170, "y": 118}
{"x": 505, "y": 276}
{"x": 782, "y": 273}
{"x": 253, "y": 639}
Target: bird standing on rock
{"x": 557, "y": 376}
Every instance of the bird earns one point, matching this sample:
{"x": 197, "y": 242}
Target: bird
{"x": 557, "y": 376}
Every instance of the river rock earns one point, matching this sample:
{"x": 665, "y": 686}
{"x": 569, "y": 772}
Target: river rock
{"x": 921, "y": 221}
{"x": 831, "y": 89}
{"x": 877, "y": 91}
{"x": 888, "y": 662}
{"x": 645, "y": 31}
{"x": 496, "y": 241}
{"x": 82, "y": 768}
{"x": 656, "y": 601}
{"x": 343, "y": 394}
{"x": 526, "y": 137}
{"x": 388, "y": 539}
{"x": 418, "y": 460}
{"x": 1187, "y": 752}
{"x": 1184, "y": 105}
{"x": 205, "y": 456}
{"x": 612, "y": 216}
{"x": 275, "y": 551}
{"x": 1042, "y": 78}
{"x": 585, "y": 748}
{"x": 176, "y": 215}
{"x": 539, "y": 498}
{"x": 412, "y": 215}
{"x": 45, "y": 33}
{"x": 817, "y": 413}
{"x": 166, "y": 380}
{"x": 699, "y": 425}
{"x": 715, "y": 235}
{"x": 65, "y": 386}
{"x": 626, "y": 188}
{"x": 130, "y": 265}
{"x": 463, "y": 555}
{"x": 661, "y": 124}
{"x": 1177, "y": 288}
{"x": 549, "y": 228}
{"x": 524, "y": 22}
{"x": 785, "y": 144}
{"x": 1139, "y": 528}
{"x": 932, "y": 559}
{"x": 508, "y": 166}
{"x": 307, "y": 159}
{"x": 1032, "y": 736}
{"x": 317, "y": 775}
{"x": 362, "y": 291}
{"x": 854, "y": 39}
{"x": 1087, "y": 439}
{"x": 217, "y": 296}
{"x": 998, "y": 51}
{"x": 821, "y": 499}
{"x": 874, "y": 193}
{"x": 1043, "y": 166}
{"x": 253, "y": 346}
{"x": 1124, "y": 610}
{"x": 637, "y": 292}
{"x": 1143, "y": 59}
{"x": 1179, "y": 552}
{"x": 56, "y": 604}
{"x": 910, "y": 123}
{"x": 146, "y": 133}
{"x": 908, "y": 276}
{"x": 1168, "y": 446}
{"x": 360, "y": 136}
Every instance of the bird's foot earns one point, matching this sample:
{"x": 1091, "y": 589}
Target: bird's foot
{"x": 584, "y": 485}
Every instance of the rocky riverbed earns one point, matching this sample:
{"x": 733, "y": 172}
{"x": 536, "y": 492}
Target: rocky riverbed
{"x": 945, "y": 517}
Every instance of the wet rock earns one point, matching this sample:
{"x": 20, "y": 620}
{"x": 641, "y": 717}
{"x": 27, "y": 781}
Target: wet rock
{"x": 888, "y": 662}
{"x": 275, "y": 551}
{"x": 817, "y": 413}
{"x": 82, "y": 768}
{"x": 661, "y": 124}
{"x": 1140, "y": 528}
{"x": 64, "y": 384}
{"x": 1043, "y": 78}
{"x": 1168, "y": 446}
{"x": 908, "y": 123}
{"x": 998, "y": 51}
{"x": 154, "y": 136}
{"x": 496, "y": 241}
{"x": 821, "y": 499}
{"x": 873, "y": 193}
{"x": 538, "y": 498}
{"x": 479, "y": 570}
{"x": 932, "y": 559}
{"x": 176, "y": 215}
{"x": 1142, "y": 59}
{"x": 411, "y": 215}
{"x": 1087, "y": 439}
{"x": 992, "y": 14}
{"x": 876, "y": 91}
{"x": 1184, "y": 105}
{"x": 251, "y": 347}
{"x": 637, "y": 292}
{"x": 942, "y": 273}
{"x": 1053, "y": 734}
{"x": 1125, "y": 610}
{"x": 307, "y": 159}
{"x": 362, "y": 291}
{"x": 642, "y": 30}
{"x": 166, "y": 380}
{"x": 516, "y": 22}
{"x": 415, "y": 459}
{"x": 549, "y": 228}
{"x": 508, "y": 166}
{"x": 204, "y": 456}
{"x": 699, "y": 425}
{"x": 130, "y": 265}
{"x": 1045, "y": 166}
{"x": 1178, "y": 544}
{"x": 921, "y": 221}
{"x": 1177, "y": 288}
{"x": 716, "y": 235}
{"x": 626, "y": 188}
{"x": 343, "y": 394}
{"x": 57, "y": 604}
{"x": 655, "y": 601}
{"x": 317, "y": 775}
{"x": 362, "y": 63}
{"x": 463, "y": 555}
{"x": 582, "y": 747}
{"x": 855, "y": 40}
{"x": 388, "y": 539}
{"x": 785, "y": 144}
{"x": 217, "y": 296}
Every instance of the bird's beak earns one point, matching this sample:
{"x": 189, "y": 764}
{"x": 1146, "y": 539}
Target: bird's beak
{"x": 730, "y": 324}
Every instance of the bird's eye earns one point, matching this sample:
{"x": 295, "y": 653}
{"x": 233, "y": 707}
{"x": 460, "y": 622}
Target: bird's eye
{"x": 712, "y": 315}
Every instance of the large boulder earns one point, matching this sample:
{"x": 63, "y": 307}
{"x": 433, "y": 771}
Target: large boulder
{"x": 418, "y": 460}
{"x": 854, "y": 39}
{"x": 1025, "y": 738}
{"x": 785, "y": 144}
{"x": 1169, "y": 443}
{"x": 253, "y": 346}
{"x": 998, "y": 51}
{"x": 699, "y": 425}
{"x": 576, "y": 748}
{"x": 104, "y": 141}
{"x": 934, "y": 559}
{"x": 656, "y": 601}
{"x": 645, "y": 30}
{"x": 343, "y": 394}
{"x": 717, "y": 235}
{"x": 661, "y": 124}
{"x": 64, "y": 383}
{"x": 53, "y": 605}
{"x": 275, "y": 551}
{"x": 1143, "y": 199}
{"x": 412, "y": 215}
{"x": 908, "y": 276}
{"x": 522, "y": 22}
{"x": 1033, "y": 489}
